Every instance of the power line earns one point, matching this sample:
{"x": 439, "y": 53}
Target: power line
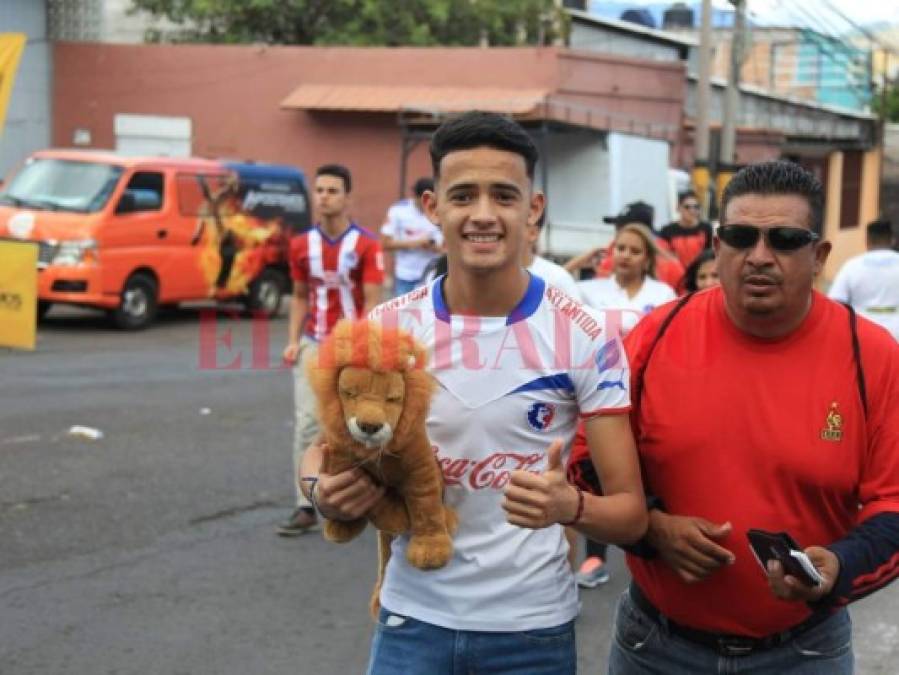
{"x": 827, "y": 45}
{"x": 861, "y": 29}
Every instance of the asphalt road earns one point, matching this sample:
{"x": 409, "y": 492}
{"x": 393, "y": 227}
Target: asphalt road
{"x": 152, "y": 549}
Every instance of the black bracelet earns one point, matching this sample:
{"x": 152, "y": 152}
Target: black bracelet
{"x": 311, "y": 481}
{"x": 580, "y": 508}
{"x": 653, "y": 502}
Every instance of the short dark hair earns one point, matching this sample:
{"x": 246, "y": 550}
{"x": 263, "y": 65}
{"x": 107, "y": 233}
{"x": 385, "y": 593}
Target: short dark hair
{"x": 338, "y": 171}
{"x": 686, "y": 194}
{"x": 778, "y": 178}
{"x": 690, "y": 279}
{"x": 476, "y": 129}
{"x": 880, "y": 230}
{"x": 423, "y": 185}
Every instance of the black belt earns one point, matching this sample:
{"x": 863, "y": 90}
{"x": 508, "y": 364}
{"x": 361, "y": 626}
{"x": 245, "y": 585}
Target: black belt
{"x": 722, "y": 643}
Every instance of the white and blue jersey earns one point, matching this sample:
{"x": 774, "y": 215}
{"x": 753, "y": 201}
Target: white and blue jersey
{"x": 507, "y": 387}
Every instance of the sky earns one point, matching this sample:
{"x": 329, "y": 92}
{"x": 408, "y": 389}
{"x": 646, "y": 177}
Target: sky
{"x": 791, "y": 12}
{"x": 860, "y": 11}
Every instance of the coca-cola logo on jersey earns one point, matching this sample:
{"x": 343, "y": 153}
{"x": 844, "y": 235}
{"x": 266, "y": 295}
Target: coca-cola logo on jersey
{"x": 493, "y": 472}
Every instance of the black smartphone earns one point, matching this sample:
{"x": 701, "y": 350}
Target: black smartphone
{"x": 780, "y": 546}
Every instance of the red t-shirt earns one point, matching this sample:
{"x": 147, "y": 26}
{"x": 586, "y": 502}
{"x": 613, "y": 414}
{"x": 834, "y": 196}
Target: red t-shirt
{"x": 335, "y": 271}
{"x": 734, "y": 428}
{"x": 687, "y": 242}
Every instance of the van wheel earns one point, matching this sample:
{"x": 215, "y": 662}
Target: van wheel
{"x": 138, "y": 304}
{"x": 42, "y": 308}
{"x": 265, "y": 293}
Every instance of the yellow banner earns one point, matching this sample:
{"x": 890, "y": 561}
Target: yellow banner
{"x": 11, "y": 46}
{"x": 18, "y": 294}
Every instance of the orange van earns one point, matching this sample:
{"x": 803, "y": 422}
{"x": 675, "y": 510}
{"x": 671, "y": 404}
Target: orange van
{"x": 132, "y": 234}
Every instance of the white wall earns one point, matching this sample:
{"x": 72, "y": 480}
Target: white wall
{"x": 578, "y": 191}
{"x": 153, "y": 135}
{"x": 638, "y": 169}
{"x": 592, "y": 175}
{"x": 28, "y": 121}
{"x": 610, "y": 41}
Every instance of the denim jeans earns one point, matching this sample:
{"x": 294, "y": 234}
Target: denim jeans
{"x": 401, "y": 286}
{"x": 642, "y": 646}
{"x": 405, "y": 646}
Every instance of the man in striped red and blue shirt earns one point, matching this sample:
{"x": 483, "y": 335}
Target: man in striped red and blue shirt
{"x": 337, "y": 272}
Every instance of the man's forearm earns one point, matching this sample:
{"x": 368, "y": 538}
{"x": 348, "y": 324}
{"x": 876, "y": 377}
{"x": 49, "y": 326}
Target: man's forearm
{"x": 371, "y": 297}
{"x": 613, "y": 519}
{"x": 404, "y": 245}
{"x": 869, "y": 557}
{"x": 298, "y": 308}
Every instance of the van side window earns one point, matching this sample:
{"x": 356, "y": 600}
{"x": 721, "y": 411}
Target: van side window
{"x": 144, "y": 192}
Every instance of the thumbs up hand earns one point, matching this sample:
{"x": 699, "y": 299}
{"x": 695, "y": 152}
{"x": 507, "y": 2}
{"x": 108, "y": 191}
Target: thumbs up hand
{"x": 538, "y": 500}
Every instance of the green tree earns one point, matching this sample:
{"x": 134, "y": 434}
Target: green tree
{"x": 359, "y": 22}
{"x": 887, "y": 105}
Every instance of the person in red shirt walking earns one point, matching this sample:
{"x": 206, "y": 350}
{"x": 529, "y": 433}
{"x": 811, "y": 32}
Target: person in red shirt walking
{"x": 760, "y": 404}
{"x": 337, "y": 271}
{"x": 688, "y": 236}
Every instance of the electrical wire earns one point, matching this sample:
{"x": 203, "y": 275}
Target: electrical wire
{"x": 841, "y": 57}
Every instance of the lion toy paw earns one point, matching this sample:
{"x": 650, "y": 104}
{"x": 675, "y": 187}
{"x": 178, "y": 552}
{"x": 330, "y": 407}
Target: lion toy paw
{"x": 340, "y": 531}
{"x": 429, "y": 551}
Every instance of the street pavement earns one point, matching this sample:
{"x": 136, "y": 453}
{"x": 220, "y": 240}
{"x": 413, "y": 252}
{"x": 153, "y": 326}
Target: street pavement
{"x": 152, "y": 548}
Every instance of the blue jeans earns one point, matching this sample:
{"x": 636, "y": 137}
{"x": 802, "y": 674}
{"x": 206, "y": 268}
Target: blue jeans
{"x": 405, "y": 646}
{"x": 642, "y": 646}
{"x": 401, "y": 286}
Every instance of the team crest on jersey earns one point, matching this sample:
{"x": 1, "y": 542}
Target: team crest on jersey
{"x": 350, "y": 259}
{"x": 833, "y": 430}
{"x": 540, "y": 415}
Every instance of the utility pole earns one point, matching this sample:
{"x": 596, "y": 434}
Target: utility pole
{"x": 732, "y": 100}
{"x": 701, "y": 138}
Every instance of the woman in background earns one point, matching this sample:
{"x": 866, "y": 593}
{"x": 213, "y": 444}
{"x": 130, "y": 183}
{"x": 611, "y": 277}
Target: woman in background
{"x": 702, "y": 273}
{"x": 632, "y": 288}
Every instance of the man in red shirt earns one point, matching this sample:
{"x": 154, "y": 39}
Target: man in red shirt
{"x": 688, "y": 236}
{"x": 760, "y": 404}
{"x": 337, "y": 271}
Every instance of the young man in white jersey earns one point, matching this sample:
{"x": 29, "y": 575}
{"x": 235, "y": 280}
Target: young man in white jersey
{"x": 870, "y": 281}
{"x": 337, "y": 272}
{"x": 413, "y": 240}
{"x": 517, "y": 363}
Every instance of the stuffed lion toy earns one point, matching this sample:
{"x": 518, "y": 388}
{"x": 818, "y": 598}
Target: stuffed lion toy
{"x": 373, "y": 395}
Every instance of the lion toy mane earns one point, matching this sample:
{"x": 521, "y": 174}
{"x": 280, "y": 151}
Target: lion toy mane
{"x": 373, "y": 396}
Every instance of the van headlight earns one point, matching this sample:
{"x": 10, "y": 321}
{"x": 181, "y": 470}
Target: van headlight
{"x": 75, "y": 252}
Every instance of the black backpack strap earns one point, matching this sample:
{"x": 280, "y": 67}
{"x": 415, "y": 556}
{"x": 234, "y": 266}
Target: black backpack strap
{"x": 638, "y": 382}
{"x": 857, "y": 357}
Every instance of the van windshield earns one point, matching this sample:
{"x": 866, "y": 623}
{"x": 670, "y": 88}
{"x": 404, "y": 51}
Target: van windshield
{"x": 62, "y": 185}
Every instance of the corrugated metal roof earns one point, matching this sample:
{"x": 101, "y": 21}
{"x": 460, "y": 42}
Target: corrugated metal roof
{"x": 387, "y": 98}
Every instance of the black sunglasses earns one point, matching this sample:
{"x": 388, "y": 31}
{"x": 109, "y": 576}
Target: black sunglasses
{"x": 782, "y": 238}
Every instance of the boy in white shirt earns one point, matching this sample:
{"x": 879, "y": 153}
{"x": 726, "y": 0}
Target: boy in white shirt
{"x": 870, "y": 281}
{"x": 517, "y": 363}
{"x": 413, "y": 240}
